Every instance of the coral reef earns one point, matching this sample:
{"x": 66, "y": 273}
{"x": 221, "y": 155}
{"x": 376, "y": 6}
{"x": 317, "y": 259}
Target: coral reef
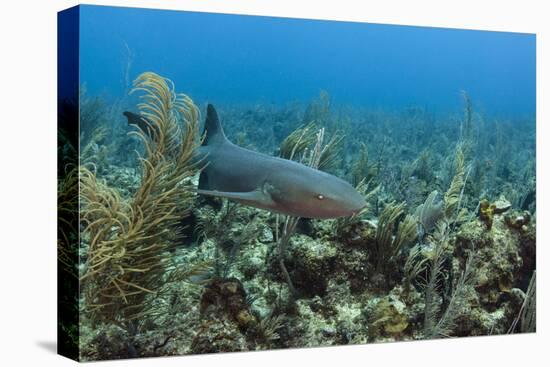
{"x": 445, "y": 247}
{"x": 488, "y": 210}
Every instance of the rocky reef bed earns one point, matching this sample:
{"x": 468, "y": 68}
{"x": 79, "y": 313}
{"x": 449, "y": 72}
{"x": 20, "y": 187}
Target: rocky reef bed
{"x": 164, "y": 271}
{"x": 242, "y": 301}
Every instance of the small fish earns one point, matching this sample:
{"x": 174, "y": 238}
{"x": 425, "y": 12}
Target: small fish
{"x": 201, "y": 273}
{"x": 275, "y": 184}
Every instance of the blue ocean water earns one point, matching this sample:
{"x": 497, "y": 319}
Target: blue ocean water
{"x": 249, "y": 59}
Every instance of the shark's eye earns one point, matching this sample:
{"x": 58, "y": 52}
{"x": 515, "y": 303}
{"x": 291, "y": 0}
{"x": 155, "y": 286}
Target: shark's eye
{"x": 320, "y": 197}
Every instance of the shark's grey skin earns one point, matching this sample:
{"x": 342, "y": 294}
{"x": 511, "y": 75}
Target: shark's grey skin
{"x": 142, "y": 123}
{"x": 266, "y": 182}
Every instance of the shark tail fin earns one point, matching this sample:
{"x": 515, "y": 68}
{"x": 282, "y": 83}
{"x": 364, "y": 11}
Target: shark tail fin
{"x": 213, "y": 130}
{"x": 133, "y": 118}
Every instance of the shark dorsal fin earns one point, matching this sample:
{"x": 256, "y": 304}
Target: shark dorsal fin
{"x": 213, "y": 130}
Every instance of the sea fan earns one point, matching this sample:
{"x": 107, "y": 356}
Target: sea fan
{"x": 430, "y": 212}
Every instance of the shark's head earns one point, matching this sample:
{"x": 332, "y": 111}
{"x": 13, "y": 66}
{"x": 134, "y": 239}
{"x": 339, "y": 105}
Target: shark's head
{"x": 317, "y": 194}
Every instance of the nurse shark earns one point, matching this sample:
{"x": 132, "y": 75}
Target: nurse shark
{"x": 266, "y": 182}
{"x": 263, "y": 181}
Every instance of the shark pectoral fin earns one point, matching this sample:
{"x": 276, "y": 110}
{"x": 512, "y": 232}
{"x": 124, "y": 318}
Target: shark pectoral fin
{"x": 203, "y": 181}
{"x": 255, "y": 198}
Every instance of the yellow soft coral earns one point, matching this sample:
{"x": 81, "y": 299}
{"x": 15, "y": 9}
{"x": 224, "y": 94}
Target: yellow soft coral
{"x": 128, "y": 241}
{"x": 487, "y": 212}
